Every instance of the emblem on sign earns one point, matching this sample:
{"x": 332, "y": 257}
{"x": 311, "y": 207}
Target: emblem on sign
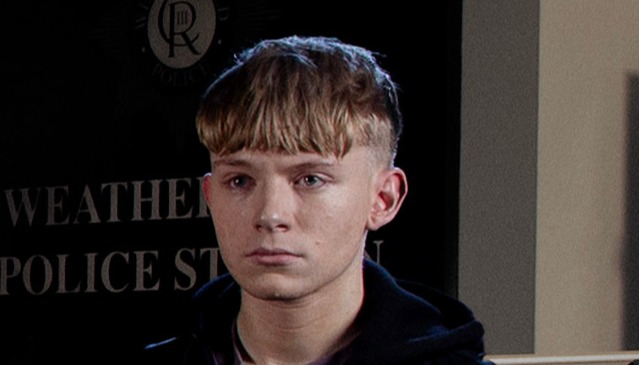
{"x": 178, "y": 39}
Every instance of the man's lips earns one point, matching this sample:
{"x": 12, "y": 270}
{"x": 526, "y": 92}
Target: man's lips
{"x": 273, "y": 256}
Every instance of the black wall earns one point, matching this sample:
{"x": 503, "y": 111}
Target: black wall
{"x": 85, "y": 112}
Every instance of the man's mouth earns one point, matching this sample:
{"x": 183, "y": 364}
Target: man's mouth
{"x": 273, "y": 256}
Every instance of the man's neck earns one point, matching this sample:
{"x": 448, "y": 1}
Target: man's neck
{"x": 300, "y": 331}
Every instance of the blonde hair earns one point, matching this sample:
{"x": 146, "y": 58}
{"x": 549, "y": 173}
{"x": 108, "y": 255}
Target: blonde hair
{"x": 298, "y": 94}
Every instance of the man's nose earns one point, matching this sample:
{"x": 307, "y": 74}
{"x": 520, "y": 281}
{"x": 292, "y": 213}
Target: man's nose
{"x": 275, "y": 205}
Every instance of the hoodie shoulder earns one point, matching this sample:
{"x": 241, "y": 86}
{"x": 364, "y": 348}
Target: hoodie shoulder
{"x": 206, "y": 329}
{"x": 409, "y": 323}
{"x": 453, "y": 313}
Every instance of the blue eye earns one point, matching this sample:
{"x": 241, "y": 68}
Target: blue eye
{"x": 311, "y": 181}
{"x": 239, "y": 182}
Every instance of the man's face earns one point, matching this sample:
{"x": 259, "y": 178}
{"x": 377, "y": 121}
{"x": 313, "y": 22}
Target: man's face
{"x": 292, "y": 225}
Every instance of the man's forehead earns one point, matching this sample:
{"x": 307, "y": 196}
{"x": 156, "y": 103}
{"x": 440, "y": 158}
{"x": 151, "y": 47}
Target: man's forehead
{"x": 256, "y": 158}
{"x": 250, "y": 158}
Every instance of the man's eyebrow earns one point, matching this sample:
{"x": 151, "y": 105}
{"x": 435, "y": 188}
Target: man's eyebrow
{"x": 315, "y": 164}
{"x": 305, "y": 165}
{"x": 231, "y": 162}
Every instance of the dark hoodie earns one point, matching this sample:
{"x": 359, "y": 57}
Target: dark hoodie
{"x": 400, "y": 324}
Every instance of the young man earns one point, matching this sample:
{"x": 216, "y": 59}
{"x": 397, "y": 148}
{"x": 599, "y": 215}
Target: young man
{"x": 302, "y": 133}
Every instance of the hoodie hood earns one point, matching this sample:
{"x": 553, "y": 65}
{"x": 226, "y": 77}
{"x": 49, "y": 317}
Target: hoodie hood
{"x": 406, "y": 322}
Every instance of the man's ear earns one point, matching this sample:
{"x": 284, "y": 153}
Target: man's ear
{"x": 207, "y": 181}
{"x": 391, "y": 189}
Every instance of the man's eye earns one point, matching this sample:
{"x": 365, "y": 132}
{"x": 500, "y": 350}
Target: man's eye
{"x": 239, "y": 182}
{"x": 311, "y": 181}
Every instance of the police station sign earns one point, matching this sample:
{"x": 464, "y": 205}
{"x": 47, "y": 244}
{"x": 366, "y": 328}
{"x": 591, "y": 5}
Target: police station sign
{"x": 70, "y": 207}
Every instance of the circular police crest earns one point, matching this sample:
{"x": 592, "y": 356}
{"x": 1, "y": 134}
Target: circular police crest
{"x": 180, "y": 42}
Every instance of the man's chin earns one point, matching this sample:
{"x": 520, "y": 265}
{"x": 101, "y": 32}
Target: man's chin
{"x": 275, "y": 294}
{"x": 274, "y": 288}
